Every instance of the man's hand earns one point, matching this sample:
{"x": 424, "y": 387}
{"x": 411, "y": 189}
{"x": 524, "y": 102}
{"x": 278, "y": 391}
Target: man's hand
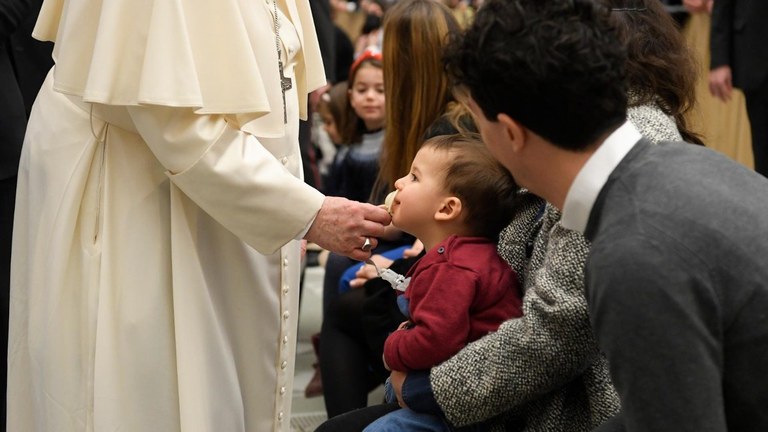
{"x": 720, "y": 83}
{"x": 342, "y": 226}
{"x": 397, "y": 378}
{"x": 695, "y": 6}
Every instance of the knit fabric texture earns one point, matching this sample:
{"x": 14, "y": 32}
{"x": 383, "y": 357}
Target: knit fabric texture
{"x": 542, "y": 371}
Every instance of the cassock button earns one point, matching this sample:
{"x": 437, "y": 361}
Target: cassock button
{"x": 280, "y": 416}
{"x": 285, "y": 340}
{"x": 284, "y": 364}
{"x": 284, "y": 160}
{"x": 286, "y": 315}
{"x": 282, "y": 390}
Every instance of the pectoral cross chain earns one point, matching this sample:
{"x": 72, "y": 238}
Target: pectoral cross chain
{"x": 285, "y": 85}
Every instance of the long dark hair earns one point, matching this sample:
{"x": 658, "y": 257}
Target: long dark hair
{"x": 660, "y": 67}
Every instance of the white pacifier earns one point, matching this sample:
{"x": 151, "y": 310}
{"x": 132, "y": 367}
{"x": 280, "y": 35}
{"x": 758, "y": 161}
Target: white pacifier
{"x": 389, "y": 200}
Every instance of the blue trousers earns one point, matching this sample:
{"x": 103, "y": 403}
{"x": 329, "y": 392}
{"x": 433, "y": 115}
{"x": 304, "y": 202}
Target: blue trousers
{"x": 405, "y": 420}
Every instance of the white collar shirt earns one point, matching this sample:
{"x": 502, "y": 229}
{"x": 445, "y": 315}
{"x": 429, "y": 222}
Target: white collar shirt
{"x": 594, "y": 174}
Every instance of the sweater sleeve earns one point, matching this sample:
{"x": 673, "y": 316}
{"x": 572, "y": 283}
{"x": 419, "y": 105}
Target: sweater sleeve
{"x": 550, "y": 345}
{"x": 440, "y": 317}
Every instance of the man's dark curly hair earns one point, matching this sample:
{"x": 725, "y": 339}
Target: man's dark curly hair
{"x": 555, "y": 66}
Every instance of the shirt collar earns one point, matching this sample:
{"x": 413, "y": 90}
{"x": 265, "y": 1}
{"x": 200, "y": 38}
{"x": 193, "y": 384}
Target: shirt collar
{"x": 594, "y": 174}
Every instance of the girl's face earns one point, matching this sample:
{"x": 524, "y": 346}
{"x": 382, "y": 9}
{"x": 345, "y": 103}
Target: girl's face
{"x": 329, "y": 126}
{"x": 420, "y": 193}
{"x": 367, "y": 96}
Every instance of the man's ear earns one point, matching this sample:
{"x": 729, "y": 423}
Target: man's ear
{"x": 517, "y": 134}
{"x": 450, "y": 209}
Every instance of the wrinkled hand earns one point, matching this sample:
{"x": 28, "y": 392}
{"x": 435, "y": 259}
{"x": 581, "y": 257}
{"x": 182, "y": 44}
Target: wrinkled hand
{"x": 720, "y": 83}
{"x": 368, "y": 272}
{"x": 342, "y": 225}
{"x": 397, "y": 378}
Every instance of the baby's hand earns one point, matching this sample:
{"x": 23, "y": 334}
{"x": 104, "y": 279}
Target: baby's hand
{"x": 405, "y": 325}
{"x": 414, "y": 250}
{"x": 368, "y": 271}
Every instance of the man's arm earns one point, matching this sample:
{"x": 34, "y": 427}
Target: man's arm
{"x": 721, "y": 36}
{"x": 721, "y": 40}
{"x": 236, "y": 180}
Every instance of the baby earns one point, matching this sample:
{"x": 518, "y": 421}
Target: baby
{"x": 456, "y": 199}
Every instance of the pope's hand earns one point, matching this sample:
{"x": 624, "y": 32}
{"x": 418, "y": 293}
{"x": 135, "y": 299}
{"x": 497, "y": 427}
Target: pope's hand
{"x": 342, "y": 226}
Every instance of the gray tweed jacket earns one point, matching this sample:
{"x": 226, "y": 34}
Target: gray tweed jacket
{"x": 542, "y": 371}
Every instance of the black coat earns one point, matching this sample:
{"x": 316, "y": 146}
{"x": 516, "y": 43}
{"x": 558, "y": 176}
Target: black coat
{"x": 739, "y": 35}
{"x": 24, "y": 62}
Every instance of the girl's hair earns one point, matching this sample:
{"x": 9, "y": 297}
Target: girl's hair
{"x": 335, "y": 103}
{"x": 417, "y": 88}
{"x": 660, "y": 67}
{"x": 352, "y": 132}
{"x": 488, "y": 193}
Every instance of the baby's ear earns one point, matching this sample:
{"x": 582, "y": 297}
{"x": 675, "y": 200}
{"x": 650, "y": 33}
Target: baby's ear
{"x": 450, "y": 209}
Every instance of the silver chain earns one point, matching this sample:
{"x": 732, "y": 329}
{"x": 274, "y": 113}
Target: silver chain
{"x": 285, "y": 83}
{"x": 277, "y": 31}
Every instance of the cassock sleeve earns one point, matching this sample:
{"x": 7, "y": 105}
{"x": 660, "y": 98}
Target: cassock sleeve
{"x": 229, "y": 174}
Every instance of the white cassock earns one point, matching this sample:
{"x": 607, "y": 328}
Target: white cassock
{"x": 155, "y": 269}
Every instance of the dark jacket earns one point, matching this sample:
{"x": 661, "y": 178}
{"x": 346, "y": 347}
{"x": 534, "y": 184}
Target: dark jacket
{"x": 677, "y": 288}
{"x": 739, "y": 35}
{"x": 24, "y": 62}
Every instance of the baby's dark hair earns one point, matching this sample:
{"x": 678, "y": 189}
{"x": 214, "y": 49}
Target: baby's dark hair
{"x": 488, "y": 193}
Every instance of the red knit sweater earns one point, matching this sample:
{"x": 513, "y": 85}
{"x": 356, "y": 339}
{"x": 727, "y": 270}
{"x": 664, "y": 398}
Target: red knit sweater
{"x": 459, "y": 291}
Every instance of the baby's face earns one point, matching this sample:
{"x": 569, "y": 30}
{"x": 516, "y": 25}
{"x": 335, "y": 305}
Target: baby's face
{"x": 329, "y": 125}
{"x": 420, "y": 193}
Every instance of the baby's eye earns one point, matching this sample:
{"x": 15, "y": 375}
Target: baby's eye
{"x": 413, "y": 177}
